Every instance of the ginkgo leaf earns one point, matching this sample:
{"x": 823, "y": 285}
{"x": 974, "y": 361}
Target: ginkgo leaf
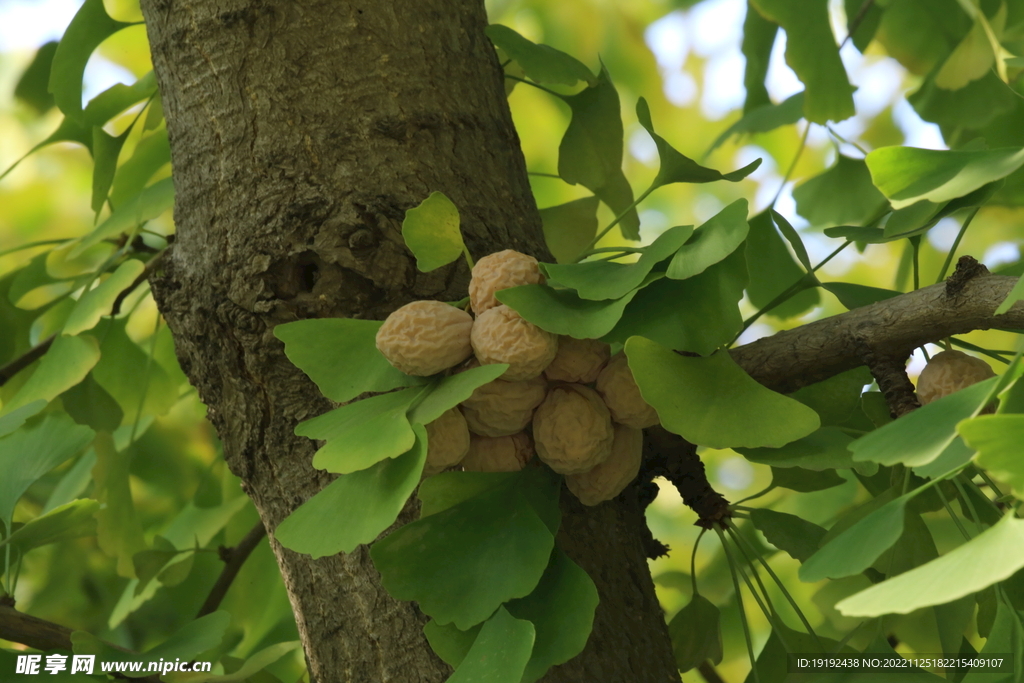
{"x": 431, "y": 231}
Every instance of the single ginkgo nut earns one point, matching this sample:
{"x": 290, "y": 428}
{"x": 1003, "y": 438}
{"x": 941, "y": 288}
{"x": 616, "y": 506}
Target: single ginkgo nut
{"x": 425, "y": 337}
{"x": 572, "y": 429}
{"x": 950, "y": 371}
{"x": 608, "y": 479}
{"x": 622, "y": 396}
{"x": 498, "y": 453}
{"x": 501, "y": 408}
{"x": 447, "y": 442}
{"x": 500, "y": 335}
{"x": 498, "y": 271}
{"x": 578, "y": 360}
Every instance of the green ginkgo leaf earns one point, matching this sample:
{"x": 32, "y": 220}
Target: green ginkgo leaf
{"x": 431, "y": 231}
{"x": 355, "y": 508}
{"x": 562, "y": 311}
{"x": 720, "y": 236}
{"x": 907, "y": 175}
{"x": 920, "y": 436}
{"x": 590, "y": 153}
{"x": 32, "y": 451}
{"x": 789, "y": 533}
{"x": 90, "y": 26}
{"x": 561, "y": 609}
{"x": 66, "y": 522}
{"x": 990, "y": 557}
{"x": 362, "y": 433}
{"x": 812, "y": 53}
{"x": 600, "y": 280}
{"x": 997, "y": 438}
{"x": 542, "y": 63}
{"x": 822, "y": 450}
{"x": 679, "y": 168}
{"x": 499, "y": 653}
{"x": 341, "y": 357}
{"x": 723, "y": 407}
{"x": 438, "y": 560}
{"x": 98, "y": 302}
{"x": 144, "y": 206}
{"x": 569, "y": 227}
{"x": 66, "y": 364}
{"x": 856, "y": 548}
{"x": 696, "y": 634}
{"x": 450, "y": 391}
{"x": 709, "y": 320}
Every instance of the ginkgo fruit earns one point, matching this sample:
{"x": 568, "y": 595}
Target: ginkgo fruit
{"x": 950, "y": 371}
{"x": 425, "y": 337}
{"x": 572, "y": 429}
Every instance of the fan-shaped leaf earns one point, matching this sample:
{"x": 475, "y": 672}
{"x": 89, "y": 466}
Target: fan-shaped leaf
{"x": 723, "y": 406}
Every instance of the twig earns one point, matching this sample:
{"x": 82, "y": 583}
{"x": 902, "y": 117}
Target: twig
{"x": 855, "y": 23}
{"x": 26, "y": 359}
{"x": 44, "y": 635}
{"x": 233, "y": 558}
{"x": 39, "y": 350}
{"x": 143, "y": 276}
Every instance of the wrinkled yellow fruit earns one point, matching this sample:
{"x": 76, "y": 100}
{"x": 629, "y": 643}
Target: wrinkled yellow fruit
{"x": 499, "y": 453}
{"x": 572, "y": 429}
{"x": 578, "y": 360}
{"x": 425, "y": 337}
{"x": 447, "y": 442}
{"x": 498, "y": 271}
{"x": 950, "y": 371}
{"x": 501, "y": 408}
{"x": 500, "y": 335}
{"x": 622, "y": 396}
{"x": 607, "y": 480}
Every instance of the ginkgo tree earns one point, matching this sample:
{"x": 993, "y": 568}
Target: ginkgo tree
{"x": 327, "y": 164}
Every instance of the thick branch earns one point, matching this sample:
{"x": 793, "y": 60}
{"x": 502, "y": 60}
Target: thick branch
{"x": 44, "y": 635}
{"x": 814, "y": 352}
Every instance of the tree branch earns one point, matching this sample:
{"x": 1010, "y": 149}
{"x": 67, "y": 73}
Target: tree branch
{"x": 233, "y": 558}
{"x": 816, "y": 351}
{"x": 26, "y": 359}
{"x": 39, "y": 350}
{"x": 44, "y": 635}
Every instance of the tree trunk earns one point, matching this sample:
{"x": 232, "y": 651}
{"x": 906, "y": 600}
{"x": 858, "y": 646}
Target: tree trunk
{"x": 301, "y": 131}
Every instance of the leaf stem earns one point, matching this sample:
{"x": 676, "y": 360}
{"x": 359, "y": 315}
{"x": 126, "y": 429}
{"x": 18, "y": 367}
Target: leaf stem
{"x": 693, "y": 561}
{"x": 535, "y": 85}
{"x": 30, "y": 245}
{"x": 752, "y": 497}
{"x": 769, "y": 612}
{"x": 544, "y": 175}
{"x": 792, "y": 164}
{"x": 615, "y": 222}
{"x": 782, "y": 587}
{"x": 743, "y": 614}
{"x": 952, "y": 515}
{"x": 793, "y": 289}
{"x": 956, "y": 243}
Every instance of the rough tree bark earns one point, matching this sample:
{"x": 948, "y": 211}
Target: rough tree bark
{"x": 301, "y": 130}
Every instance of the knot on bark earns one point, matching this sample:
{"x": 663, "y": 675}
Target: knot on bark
{"x": 967, "y": 268}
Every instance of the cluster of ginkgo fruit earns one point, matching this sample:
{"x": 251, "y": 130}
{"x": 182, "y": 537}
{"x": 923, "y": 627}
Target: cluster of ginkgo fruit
{"x": 565, "y": 400}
